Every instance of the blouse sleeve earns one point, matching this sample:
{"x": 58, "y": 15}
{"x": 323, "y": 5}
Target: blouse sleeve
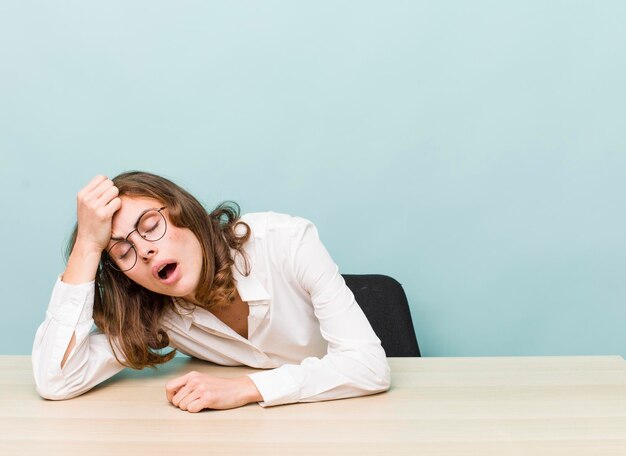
{"x": 90, "y": 362}
{"x": 355, "y": 363}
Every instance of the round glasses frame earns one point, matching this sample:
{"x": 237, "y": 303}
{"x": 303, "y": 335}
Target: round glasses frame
{"x": 111, "y": 263}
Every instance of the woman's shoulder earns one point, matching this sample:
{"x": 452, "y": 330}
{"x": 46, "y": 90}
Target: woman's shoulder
{"x": 262, "y": 223}
{"x": 273, "y": 219}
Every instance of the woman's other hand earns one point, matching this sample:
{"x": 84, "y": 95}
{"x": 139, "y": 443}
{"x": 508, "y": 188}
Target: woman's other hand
{"x": 195, "y": 391}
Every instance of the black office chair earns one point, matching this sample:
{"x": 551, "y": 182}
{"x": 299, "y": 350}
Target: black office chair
{"x": 385, "y": 305}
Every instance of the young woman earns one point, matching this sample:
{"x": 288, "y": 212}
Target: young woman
{"x": 153, "y": 269}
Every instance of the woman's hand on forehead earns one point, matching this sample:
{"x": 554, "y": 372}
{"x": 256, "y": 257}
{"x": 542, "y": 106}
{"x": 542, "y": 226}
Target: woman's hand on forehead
{"x": 97, "y": 202}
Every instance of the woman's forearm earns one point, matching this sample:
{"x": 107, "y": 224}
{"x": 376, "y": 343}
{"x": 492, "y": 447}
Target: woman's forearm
{"x": 82, "y": 265}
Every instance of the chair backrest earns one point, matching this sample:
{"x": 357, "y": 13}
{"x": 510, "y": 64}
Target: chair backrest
{"x": 385, "y": 305}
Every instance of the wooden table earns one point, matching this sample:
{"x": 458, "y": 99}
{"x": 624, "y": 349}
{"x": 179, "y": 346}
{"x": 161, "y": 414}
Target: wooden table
{"x": 436, "y": 406}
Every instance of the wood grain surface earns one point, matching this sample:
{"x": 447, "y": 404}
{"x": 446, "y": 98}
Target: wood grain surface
{"x": 436, "y": 406}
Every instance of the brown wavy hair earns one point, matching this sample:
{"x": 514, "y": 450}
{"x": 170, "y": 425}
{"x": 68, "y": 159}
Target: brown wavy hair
{"x": 129, "y": 314}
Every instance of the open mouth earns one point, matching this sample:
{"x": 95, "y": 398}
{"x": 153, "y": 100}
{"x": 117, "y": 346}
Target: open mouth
{"x": 166, "y": 271}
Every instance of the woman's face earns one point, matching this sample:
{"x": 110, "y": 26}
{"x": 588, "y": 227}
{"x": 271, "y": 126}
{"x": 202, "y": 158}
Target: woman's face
{"x": 170, "y": 265}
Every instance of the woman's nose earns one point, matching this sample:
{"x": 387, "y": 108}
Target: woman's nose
{"x": 147, "y": 252}
{"x": 145, "y": 249}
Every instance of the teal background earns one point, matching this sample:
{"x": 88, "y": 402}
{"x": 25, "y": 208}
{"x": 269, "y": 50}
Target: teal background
{"x": 474, "y": 150}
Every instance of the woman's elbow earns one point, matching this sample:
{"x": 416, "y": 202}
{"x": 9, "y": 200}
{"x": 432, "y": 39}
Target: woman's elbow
{"x": 383, "y": 376}
{"x": 55, "y": 390}
{"x": 51, "y": 393}
{"x": 377, "y": 375}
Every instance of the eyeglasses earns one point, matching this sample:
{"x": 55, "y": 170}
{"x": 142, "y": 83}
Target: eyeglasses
{"x": 151, "y": 226}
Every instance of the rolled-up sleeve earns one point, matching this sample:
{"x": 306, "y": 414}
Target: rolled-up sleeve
{"x": 355, "y": 363}
{"x": 90, "y": 362}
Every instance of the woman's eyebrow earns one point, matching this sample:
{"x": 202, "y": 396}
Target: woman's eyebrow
{"x": 117, "y": 238}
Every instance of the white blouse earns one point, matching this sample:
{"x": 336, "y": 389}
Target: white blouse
{"x": 304, "y": 326}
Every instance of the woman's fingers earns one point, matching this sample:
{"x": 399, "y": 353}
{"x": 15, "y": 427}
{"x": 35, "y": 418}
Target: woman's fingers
{"x": 108, "y": 195}
{"x": 181, "y": 394}
{"x": 93, "y": 183}
{"x": 189, "y": 397}
{"x": 100, "y": 189}
{"x": 183, "y": 390}
{"x": 173, "y": 386}
{"x": 114, "y": 205}
{"x": 195, "y": 406}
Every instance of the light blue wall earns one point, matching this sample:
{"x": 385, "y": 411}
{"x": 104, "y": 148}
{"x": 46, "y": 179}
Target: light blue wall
{"x": 474, "y": 150}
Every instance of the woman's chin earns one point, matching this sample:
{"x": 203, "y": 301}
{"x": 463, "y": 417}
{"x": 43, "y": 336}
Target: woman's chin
{"x": 183, "y": 290}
